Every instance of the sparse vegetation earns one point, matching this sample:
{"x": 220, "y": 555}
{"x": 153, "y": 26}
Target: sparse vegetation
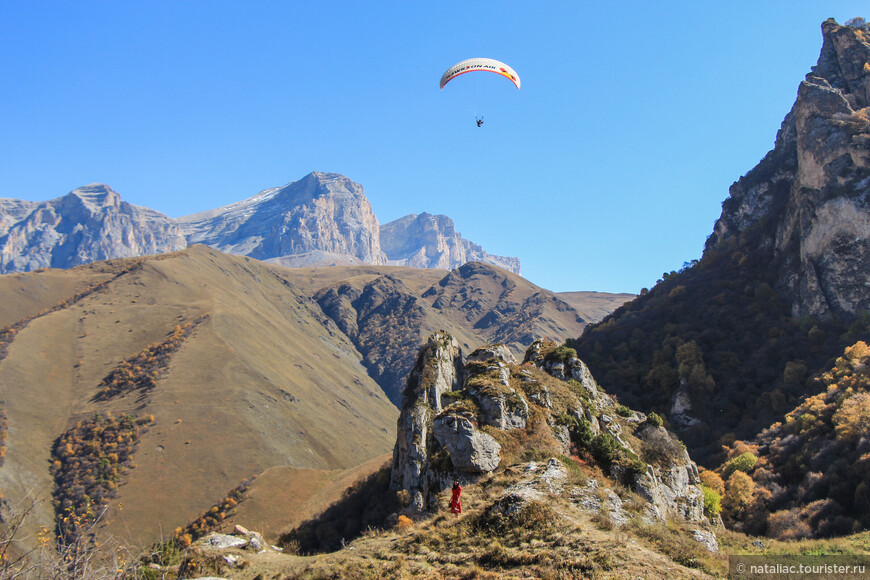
{"x": 858, "y": 22}
{"x": 83, "y": 559}
{"x": 140, "y": 372}
{"x": 214, "y": 517}
{"x": 88, "y": 462}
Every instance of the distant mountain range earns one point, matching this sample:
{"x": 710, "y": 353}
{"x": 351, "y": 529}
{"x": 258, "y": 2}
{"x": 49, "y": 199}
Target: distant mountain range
{"x": 322, "y": 219}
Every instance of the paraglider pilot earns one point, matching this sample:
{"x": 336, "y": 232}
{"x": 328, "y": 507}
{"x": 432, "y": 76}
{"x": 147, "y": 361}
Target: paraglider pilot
{"x": 455, "y": 505}
{"x": 479, "y": 121}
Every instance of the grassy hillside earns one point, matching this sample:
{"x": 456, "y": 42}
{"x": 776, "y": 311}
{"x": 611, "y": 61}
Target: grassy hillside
{"x": 229, "y": 369}
{"x": 263, "y": 381}
{"x": 594, "y": 306}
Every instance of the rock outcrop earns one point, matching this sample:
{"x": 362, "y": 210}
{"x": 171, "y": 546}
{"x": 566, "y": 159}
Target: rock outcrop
{"x": 387, "y": 320}
{"x": 431, "y": 241}
{"x": 415, "y": 469}
{"x": 462, "y": 421}
{"x": 810, "y": 195}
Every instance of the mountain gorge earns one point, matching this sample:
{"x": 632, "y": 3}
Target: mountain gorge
{"x": 224, "y": 381}
{"x": 731, "y": 343}
{"x": 322, "y": 219}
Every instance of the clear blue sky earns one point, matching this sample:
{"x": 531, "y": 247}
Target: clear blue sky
{"x": 605, "y": 170}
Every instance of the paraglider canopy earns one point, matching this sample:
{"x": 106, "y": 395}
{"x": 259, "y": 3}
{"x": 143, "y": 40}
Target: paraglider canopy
{"x": 480, "y": 64}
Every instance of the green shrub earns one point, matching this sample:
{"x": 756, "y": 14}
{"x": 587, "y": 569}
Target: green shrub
{"x": 857, "y": 22}
{"x": 605, "y": 449}
{"x": 579, "y": 429}
{"x": 631, "y": 463}
{"x": 561, "y": 354}
{"x": 655, "y": 419}
{"x": 744, "y": 462}
{"x": 712, "y": 502}
{"x": 623, "y": 411}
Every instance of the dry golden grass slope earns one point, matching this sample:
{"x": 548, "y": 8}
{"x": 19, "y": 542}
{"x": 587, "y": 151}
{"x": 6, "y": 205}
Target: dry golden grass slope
{"x": 552, "y": 538}
{"x": 265, "y": 385}
{"x": 266, "y": 380}
{"x": 594, "y": 306}
{"x": 283, "y": 497}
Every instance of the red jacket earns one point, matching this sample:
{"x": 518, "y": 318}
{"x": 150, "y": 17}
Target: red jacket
{"x": 455, "y": 504}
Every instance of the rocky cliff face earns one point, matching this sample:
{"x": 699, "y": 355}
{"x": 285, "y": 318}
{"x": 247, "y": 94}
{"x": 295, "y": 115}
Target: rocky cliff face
{"x": 322, "y": 211}
{"x": 431, "y": 241}
{"x": 461, "y": 420}
{"x": 324, "y": 219}
{"x": 88, "y": 224}
{"x": 481, "y": 296}
{"x": 810, "y": 196}
{"x": 387, "y": 320}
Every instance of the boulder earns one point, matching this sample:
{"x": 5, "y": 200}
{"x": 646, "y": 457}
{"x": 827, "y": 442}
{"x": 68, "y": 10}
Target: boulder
{"x": 470, "y": 450}
{"x": 495, "y": 351}
{"x": 707, "y": 539}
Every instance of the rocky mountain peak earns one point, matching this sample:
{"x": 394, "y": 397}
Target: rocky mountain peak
{"x": 314, "y": 186}
{"x": 322, "y": 219}
{"x": 431, "y": 241}
{"x": 806, "y": 202}
{"x": 95, "y": 197}
{"x": 843, "y": 62}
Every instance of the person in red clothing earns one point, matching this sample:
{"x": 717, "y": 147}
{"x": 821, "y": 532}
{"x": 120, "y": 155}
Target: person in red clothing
{"x": 455, "y": 504}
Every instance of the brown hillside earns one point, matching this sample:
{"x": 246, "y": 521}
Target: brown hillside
{"x": 283, "y": 497}
{"x": 264, "y": 381}
{"x": 388, "y": 311}
{"x": 594, "y": 306}
{"x": 503, "y": 307}
{"x": 260, "y": 382}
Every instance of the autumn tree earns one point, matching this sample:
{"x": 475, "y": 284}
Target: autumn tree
{"x": 738, "y": 494}
{"x": 852, "y": 419}
{"x": 712, "y": 480}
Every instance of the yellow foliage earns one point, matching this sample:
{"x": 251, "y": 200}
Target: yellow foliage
{"x": 712, "y": 480}
{"x": 738, "y": 494}
{"x": 405, "y": 523}
{"x": 858, "y": 351}
{"x": 852, "y": 419}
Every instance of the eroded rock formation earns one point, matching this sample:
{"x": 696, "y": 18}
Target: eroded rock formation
{"x": 810, "y": 195}
{"x": 463, "y": 421}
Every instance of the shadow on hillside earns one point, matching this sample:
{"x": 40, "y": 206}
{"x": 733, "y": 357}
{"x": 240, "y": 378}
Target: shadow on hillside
{"x": 367, "y": 504}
